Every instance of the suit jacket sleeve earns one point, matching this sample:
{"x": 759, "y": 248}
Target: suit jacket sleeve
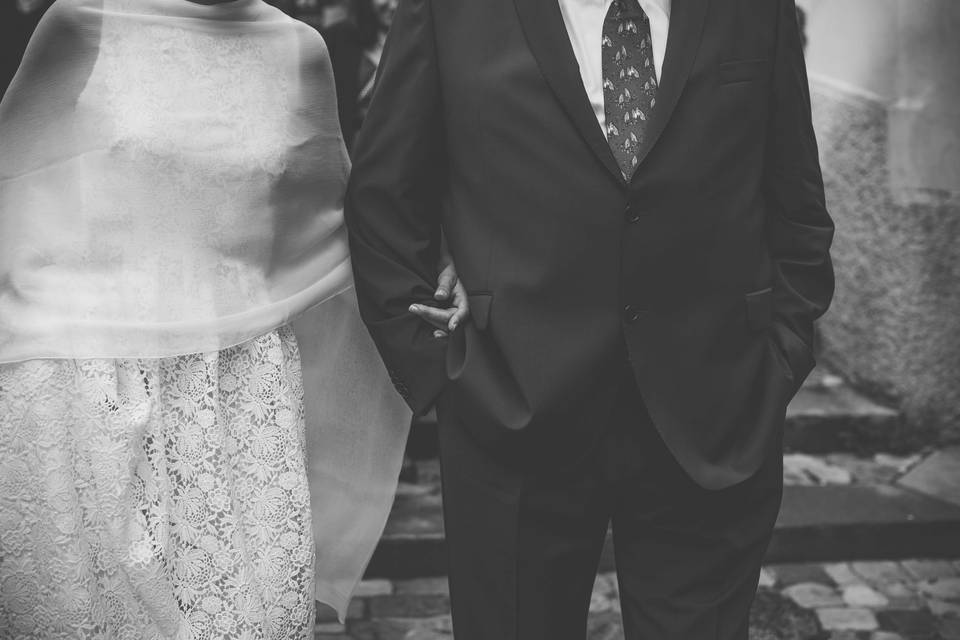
{"x": 798, "y": 228}
{"x": 392, "y": 208}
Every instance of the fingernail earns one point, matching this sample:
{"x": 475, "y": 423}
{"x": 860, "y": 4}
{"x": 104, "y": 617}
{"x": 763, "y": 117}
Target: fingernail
{"x": 414, "y": 307}
{"x": 441, "y": 293}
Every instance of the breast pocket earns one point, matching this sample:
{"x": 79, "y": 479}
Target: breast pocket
{"x": 739, "y": 71}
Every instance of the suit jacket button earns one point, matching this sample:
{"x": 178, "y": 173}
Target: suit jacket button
{"x": 631, "y": 216}
{"x": 631, "y": 313}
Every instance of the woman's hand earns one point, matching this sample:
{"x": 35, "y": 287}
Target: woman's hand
{"x": 449, "y": 290}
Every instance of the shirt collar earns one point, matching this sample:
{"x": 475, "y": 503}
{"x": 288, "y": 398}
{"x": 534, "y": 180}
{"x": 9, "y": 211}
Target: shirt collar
{"x": 658, "y": 5}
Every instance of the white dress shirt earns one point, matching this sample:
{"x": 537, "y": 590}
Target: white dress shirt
{"x": 584, "y": 21}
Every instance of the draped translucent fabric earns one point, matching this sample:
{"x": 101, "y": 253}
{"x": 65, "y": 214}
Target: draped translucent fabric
{"x": 171, "y": 182}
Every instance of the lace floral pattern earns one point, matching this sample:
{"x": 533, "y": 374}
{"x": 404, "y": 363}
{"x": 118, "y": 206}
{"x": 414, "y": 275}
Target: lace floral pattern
{"x": 164, "y": 498}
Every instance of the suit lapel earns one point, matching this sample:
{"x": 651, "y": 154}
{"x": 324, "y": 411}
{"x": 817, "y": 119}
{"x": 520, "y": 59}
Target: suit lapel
{"x": 547, "y": 36}
{"x": 683, "y": 40}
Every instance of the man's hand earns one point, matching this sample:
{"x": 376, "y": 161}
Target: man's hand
{"x": 449, "y": 290}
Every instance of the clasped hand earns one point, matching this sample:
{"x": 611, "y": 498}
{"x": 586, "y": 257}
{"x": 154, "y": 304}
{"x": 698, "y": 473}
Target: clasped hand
{"x": 450, "y": 291}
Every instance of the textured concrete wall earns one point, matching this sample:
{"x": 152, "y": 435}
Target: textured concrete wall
{"x": 885, "y": 79}
{"x": 925, "y": 116}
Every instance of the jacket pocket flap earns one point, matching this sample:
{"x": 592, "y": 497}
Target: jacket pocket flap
{"x": 744, "y": 70}
{"x": 759, "y": 309}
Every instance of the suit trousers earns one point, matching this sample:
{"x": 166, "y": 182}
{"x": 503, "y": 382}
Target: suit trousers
{"x": 524, "y": 545}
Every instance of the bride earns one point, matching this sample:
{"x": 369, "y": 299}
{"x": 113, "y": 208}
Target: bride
{"x": 171, "y": 180}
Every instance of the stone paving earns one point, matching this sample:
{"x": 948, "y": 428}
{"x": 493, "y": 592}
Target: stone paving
{"x": 844, "y": 468}
{"x": 883, "y": 600}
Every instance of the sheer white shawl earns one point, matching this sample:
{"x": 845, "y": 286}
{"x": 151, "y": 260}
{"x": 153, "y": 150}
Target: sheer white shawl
{"x": 171, "y": 181}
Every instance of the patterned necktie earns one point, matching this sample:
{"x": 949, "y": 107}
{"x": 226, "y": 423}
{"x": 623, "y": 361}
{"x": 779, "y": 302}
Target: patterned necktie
{"x": 629, "y": 80}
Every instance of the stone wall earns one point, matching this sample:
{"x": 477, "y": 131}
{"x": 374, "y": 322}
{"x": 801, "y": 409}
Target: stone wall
{"x": 885, "y": 81}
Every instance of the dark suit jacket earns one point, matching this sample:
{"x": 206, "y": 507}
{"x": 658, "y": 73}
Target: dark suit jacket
{"x": 705, "y": 271}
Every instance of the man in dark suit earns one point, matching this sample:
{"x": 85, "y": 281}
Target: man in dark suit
{"x": 632, "y": 196}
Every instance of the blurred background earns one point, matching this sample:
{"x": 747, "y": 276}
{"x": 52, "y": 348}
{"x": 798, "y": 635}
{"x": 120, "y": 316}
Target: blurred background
{"x": 885, "y": 76}
{"x": 868, "y": 543}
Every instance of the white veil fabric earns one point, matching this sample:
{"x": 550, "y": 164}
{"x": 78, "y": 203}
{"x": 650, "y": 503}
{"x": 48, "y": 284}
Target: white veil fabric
{"x": 171, "y": 181}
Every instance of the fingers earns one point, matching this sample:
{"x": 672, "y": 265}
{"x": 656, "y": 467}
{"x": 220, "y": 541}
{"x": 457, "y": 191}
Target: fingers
{"x": 461, "y": 308}
{"x": 446, "y": 282}
{"x": 439, "y": 318}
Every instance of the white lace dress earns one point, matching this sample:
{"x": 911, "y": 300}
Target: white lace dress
{"x": 162, "y": 498}
{"x": 172, "y": 180}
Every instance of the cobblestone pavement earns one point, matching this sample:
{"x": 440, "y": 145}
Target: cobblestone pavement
{"x": 844, "y": 469}
{"x": 908, "y": 600}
